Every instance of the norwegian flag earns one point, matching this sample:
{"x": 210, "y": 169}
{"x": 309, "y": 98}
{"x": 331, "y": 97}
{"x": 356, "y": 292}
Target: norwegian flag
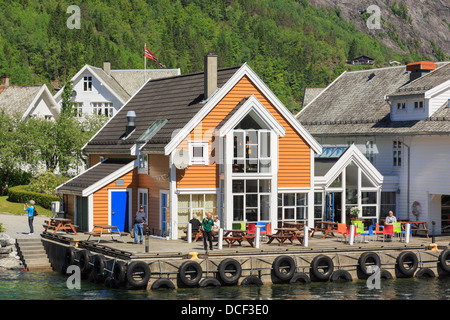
{"x": 150, "y": 55}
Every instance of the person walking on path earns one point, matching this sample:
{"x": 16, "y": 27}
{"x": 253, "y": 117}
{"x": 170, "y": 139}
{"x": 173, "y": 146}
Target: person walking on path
{"x": 30, "y": 210}
{"x": 139, "y": 220}
{"x": 207, "y": 225}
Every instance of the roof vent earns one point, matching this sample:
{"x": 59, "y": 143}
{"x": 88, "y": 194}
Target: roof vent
{"x": 371, "y": 76}
{"x": 131, "y": 116}
{"x": 419, "y": 69}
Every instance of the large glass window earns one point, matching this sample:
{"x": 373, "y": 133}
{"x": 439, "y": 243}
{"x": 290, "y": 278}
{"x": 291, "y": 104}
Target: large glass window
{"x": 251, "y": 151}
{"x": 292, "y": 207}
{"x": 251, "y": 200}
{"x": 388, "y": 203}
{"x": 194, "y": 204}
{"x": 318, "y": 205}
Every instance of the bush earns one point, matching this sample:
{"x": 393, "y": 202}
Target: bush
{"x": 46, "y": 183}
{"x": 16, "y": 178}
{"x": 20, "y": 194}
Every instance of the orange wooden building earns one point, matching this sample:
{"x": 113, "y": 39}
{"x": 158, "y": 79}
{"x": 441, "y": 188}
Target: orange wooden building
{"x": 218, "y": 141}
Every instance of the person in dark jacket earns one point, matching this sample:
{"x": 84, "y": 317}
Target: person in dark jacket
{"x": 207, "y": 225}
{"x": 139, "y": 220}
{"x": 195, "y": 223}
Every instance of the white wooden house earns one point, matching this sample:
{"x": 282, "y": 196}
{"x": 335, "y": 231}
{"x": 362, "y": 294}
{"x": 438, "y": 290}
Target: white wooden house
{"x": 104, "y": 91}
{"x": 399, "y": 118}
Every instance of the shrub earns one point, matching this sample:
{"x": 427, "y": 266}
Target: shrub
{"x": 20, "y": 194}
{"x": 46, "y": 183}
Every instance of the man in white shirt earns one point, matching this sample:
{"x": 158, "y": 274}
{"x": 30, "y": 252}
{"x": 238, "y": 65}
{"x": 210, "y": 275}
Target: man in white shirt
{"x": 390, "y": 219}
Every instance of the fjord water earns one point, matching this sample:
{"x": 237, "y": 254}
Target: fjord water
{"x": 25, "y": 285}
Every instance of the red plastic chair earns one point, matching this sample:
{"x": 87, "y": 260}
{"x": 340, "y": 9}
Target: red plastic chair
{"x": 388, "y": 230}
{"x": 251, "y": 229}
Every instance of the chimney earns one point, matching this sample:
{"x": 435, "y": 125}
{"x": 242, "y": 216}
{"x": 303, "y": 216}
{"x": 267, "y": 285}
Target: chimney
{"x": 131, "y": 116}
{"x": 4, "y": 81}
{"x": 419, "y": 69}
{"x": 107, "y": 67}
{"x": 210, "y": 75}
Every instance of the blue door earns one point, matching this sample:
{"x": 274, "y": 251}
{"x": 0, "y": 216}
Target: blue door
{"x": 119, "y": 210}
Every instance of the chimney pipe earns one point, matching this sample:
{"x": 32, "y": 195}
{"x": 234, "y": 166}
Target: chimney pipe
{"x": 131, "y": 116}
{"x": 4, "y": 81}
{"x": 107, "y": 67}
{"x": 210, "y": 75}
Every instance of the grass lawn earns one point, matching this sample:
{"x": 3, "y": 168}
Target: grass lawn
{"x": 17, "y": 208}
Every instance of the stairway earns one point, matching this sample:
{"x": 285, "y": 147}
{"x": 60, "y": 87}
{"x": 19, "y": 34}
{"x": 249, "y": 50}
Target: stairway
{"x": 32, "y": 253}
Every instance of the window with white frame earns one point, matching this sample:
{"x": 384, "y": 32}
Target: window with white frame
{"x": 143, "y": 162}
{"x": 418, "y": 105}
{"x": 292, "y": 207}
{"x": 87, "y": 83}
{"x": 78, "y": 106}
{"x": 251, "y": 200}
{"x": 318, "y": 205}
{"x": 401, "y": 106}
{"x": 198, "y": 152}
{"x": 397, "y": 153}
{"x": 103, "y": 108}
{"x": 251, "y": 151}
{"x": 369, "y": 151}
{"x": 143, "y": 200}
{"x": 194, "y": 204}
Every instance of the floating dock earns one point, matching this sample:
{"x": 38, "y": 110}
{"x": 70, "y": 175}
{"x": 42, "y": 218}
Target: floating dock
{"x": 176, "y": 263}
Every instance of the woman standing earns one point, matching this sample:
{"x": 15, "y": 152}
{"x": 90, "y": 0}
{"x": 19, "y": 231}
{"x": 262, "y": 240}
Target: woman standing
{"x": 30, "y": 210}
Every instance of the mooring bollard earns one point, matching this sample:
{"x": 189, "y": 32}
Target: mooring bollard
{"x": 189, "y": 233}
{"x": 257, "y": 236}
{"x": 306, "y": 236}
{"x": 220, "y": 239}
{"x": 352, "y": 235}
{"x": 407, "y": 232}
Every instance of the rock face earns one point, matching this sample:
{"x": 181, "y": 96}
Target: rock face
{"x": 8, "y": 253}
{"x": 415, "y": 27}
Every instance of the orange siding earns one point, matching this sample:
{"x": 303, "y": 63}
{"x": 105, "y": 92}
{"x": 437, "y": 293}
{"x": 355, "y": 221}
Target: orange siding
{"x": 293, "y": 152}
{"x": 100, "y": 213}
{"x": 156, "y": 180}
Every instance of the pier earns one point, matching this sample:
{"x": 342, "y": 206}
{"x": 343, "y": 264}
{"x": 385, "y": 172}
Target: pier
{"x": 177, "y": 263}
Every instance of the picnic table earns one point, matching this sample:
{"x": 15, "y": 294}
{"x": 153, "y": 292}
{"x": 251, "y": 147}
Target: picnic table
{"x": 284, "y": 234}
{"x": 233, "y": 236}
{"x": 293, "y": 224}
{"x": 326, "y": 227}
{"x": 60, "y": 224}
{"x": 416, "y": 226}
{"x": 109, "y": 232}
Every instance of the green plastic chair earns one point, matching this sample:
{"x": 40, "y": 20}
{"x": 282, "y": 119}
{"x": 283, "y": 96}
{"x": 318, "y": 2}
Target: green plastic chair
{"x": 359, "y": 228}
{"x": 397, "y": 229}
{"x": 239, "y": 226}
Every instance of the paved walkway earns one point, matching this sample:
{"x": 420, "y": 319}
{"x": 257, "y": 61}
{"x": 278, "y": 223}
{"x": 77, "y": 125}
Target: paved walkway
{"x": 17, "y": 225}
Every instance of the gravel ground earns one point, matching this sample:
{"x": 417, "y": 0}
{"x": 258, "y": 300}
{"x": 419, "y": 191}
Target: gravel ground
{"x": 17, "y": 225}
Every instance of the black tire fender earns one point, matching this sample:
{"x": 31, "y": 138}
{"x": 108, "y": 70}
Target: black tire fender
{"x": 98, "y": 269}
{"x": 229, "y": 265}
{"x": 321, "y": 262}
{"x": 162, "y": 284}
{"x": 251, "y": 281}
{"x": 283, "y": 267}
{"x": 138, "y": 274}
{"x": 190, "y": 273}
{"x": 410, "y": 258}
{"x": 84, "y": 261}
{"x": 443, "y": 258}
{"x": 386, "y": 275}
{"x": 368, "y": 259}
{"x": 70, "y": 255}
{"x": 119, "y": 274}
{"x": 209, "y": 282}
{"x": 341, "y": 275}
{"x": 425, "y": 273}
{"x": 300, "y": 277}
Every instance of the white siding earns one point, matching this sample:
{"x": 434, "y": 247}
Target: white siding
{"x": 439, "y": 100}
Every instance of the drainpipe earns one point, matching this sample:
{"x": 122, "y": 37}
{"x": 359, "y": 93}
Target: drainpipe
{"x": 408, "y": 181}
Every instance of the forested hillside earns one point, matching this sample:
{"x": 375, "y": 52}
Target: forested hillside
{"x": 290, "y": 44}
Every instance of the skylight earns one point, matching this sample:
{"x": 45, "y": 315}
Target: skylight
{"x": 151, "y": 131}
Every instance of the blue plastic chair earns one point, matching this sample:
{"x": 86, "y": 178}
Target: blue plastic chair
{"x": 262, "y": 229}
{"x": 368, "y": 233}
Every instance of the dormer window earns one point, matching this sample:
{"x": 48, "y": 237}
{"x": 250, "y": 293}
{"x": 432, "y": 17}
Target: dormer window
{"x": 401, "y": 106}
{"x": 418, "y": 105}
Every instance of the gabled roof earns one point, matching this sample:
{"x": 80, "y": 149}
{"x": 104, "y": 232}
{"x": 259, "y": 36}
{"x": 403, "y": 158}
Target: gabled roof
{"x": 176, "y": 99}
{"x": 97, "y": 176}
{"x": 355, "y": 104}
{"x": 19, "y": 100}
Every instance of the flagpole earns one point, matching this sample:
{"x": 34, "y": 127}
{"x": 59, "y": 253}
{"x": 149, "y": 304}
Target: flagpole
{"x": 145, "y": 64}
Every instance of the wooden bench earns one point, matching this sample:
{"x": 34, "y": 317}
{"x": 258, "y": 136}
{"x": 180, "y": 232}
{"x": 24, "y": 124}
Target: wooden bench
{"x": 281, "y": 238}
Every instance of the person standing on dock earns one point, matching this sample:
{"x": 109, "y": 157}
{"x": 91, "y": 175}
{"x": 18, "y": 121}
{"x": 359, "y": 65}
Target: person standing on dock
{"x": 30, "y": 210}
{"x": 139, "y": 220}
{"x": 207, "y": 225}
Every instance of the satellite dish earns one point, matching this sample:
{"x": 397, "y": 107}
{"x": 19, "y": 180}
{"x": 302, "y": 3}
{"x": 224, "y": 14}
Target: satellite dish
{"x": 181, "y": 159}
